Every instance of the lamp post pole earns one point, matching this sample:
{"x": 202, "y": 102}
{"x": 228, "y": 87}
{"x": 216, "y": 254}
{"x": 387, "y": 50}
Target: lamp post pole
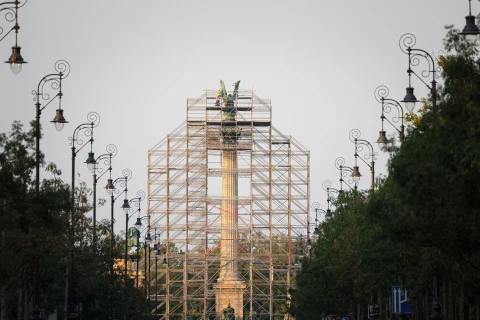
{"x": 107, "y": 158}
{"x": 371, "y": 155}
{"x": 137, "y": 257}
{"x": 87, "y": 129}
{"x": 157, "y": 254}
{"x": 63, "y": 69}
{"x": 309, "y": 241}
{"x": 145, "y": 267}
{"x": 156, "y": 251}
{"x": 16, "y": 60}
{"x": 148, "y": 240}
{"x": 406, "y": 43}
{"x": 127, "y": 209}
{"x": 148, "y": 274}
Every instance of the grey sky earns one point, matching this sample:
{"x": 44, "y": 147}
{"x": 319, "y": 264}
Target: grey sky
{"x": 136, "y": 62}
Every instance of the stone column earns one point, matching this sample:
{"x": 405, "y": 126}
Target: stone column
{"x": 229, "y": 289}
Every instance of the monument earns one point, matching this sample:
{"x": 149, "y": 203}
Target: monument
{"x": 229, "y": 288}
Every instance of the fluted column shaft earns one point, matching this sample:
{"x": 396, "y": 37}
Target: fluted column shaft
{"x": 229, "y": 217}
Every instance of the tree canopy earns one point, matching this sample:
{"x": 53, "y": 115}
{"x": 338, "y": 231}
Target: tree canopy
{"x": 423, "y": 218}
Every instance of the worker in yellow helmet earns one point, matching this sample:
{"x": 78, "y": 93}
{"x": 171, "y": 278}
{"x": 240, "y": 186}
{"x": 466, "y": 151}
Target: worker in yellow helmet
{"x": 217, "y": 103}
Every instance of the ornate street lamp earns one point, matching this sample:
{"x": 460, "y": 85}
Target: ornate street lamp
{"x": 317, "y": 209}
{"x": 115, "y": 194}
{"x": 55, "y": 79}
{"x": 16, "y": 60}
{"x": 156, "y": 250}
{"x": 129, "y": 212}
{"x": 344, "y": 172}
{"x": 107, "y": 159}
{"x": 470, "y": 31}
{"x": 138, "y": 225}
{"x": 371, "y": 155}
{"x": 327, "y": 186}
{"x": 148, "y": 243}
{"x": 308, "y": 243}
{"x": 381, "y": 94}
{"x": 87, "y": 130}
{"x": 406, "y": 43}
{"x": 300, "y": 252}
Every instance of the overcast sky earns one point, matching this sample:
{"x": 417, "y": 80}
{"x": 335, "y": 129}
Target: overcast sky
{"x": 136, "y": 62}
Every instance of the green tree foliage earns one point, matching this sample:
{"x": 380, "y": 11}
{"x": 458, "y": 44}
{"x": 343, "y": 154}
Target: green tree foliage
{"x": 422, "y": 220}
{"x": 40, "y": 228}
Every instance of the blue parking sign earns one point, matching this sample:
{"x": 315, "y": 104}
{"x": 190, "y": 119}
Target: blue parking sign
{"x": 401, "y": 300}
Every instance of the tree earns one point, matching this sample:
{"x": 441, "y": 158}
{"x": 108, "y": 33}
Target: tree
{"x": 422, "y": 220}
{"x": 38, "y": 229}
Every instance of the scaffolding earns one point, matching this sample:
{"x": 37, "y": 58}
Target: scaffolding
{"x": 185, "y": 196}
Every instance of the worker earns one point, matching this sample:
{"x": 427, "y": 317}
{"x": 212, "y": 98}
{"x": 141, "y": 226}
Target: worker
{"x": 217, "y": 103}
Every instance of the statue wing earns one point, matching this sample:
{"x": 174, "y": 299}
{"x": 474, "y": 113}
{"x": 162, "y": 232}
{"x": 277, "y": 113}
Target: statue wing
{"x": 235, "y": 91}
{"x": 223, "y": 92}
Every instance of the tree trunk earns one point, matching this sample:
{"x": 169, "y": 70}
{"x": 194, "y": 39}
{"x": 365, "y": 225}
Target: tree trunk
{"x": 3, "y": 303}
{"x": 444, "y": 300}
{"x": 427, "y": 307}
{"x": 380, "y": 309}
{"x": 389, "y": 307}
{"x": 477, "y": 316}
{"x": 416, "y": 309}
{"x": 67, "y": 288}
{"x": 461, "y": 306}
{"x": 26, "y": 300}
{"x": 20, "y": 302}
{"x": 451, "y": 306}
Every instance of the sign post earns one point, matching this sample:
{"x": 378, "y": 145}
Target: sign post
{"x": 373, "y": 311}
{"x": 401, "y": 300}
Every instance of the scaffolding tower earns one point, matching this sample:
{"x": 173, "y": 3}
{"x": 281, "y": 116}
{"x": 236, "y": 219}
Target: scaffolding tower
{"x": 185, "y": 208}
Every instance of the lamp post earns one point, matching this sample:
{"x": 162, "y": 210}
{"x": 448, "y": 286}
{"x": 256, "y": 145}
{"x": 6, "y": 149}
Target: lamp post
{"x": 137, "y": 257}
{"x": 470, "y": 31}
{"x": 87, "y": 129}
{"x": 327, "y": 186}
{"x": 317, "y": 209}
{"x": 156, "y": 251}
{"x": 129, "y": 212}
{"x": 63, "y": 69}
{"x": 381, "y": 94}
{"x": 107, "y": 158}
{"x": 148, "y": 241}
{"x": 146, "y": 248}
{"x": 371, "y": 155}
{"x": 406, "y": 43}
{"x": 300, "y": 253}
{"x": 16, "y": 60}
{"x": 115, "y": 194}
{"x": 344, "y": 170}
{"x": 309, "y": 241}
{"x": 55, "y": 79}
